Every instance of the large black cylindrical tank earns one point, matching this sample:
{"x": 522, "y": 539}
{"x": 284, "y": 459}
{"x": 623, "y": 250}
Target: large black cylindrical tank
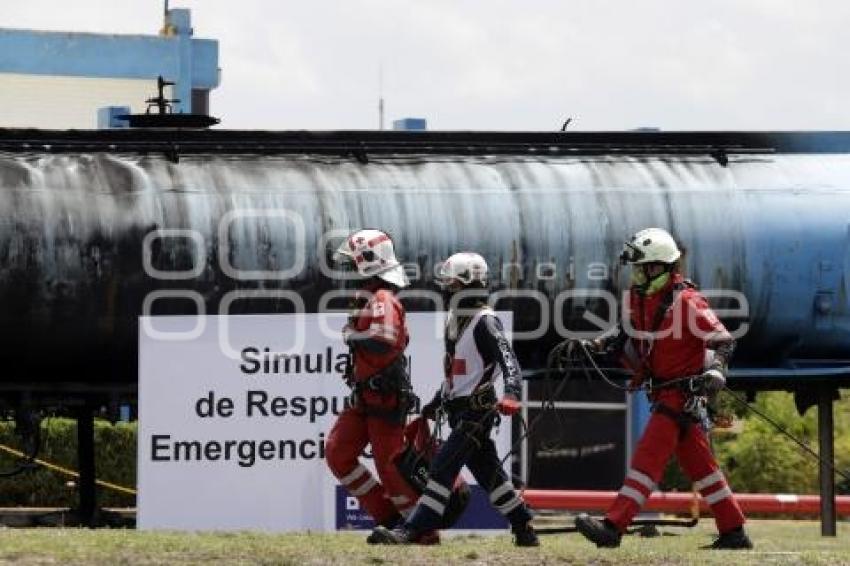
{"x": 767, "y": 215}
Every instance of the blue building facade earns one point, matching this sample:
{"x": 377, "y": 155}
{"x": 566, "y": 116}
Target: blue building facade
{"x": 192, "y": 64}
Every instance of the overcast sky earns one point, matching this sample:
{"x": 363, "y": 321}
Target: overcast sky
{"x": 506, "y": 65}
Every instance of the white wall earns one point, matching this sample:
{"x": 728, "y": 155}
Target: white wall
{"x": 61, "y": 102}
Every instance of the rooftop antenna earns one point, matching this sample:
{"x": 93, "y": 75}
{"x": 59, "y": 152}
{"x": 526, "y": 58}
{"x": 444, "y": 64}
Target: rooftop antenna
{"x": 380, "y": 96}
{"x": 167, "y": 29}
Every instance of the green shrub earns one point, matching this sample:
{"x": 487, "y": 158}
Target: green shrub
{"x": 760, "y": 459}
{"x": 115, "y": 462}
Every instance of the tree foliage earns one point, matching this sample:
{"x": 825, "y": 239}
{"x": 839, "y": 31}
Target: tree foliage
{"x": 757, "y": 458}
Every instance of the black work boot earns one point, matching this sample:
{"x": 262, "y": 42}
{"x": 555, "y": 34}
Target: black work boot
{"x": 733, "y": 540}
{"x": 603, "y": 533}
{"x": 525, "y": 536}
{"x": 390, "y": 523}
{"x": 398, "y": 535}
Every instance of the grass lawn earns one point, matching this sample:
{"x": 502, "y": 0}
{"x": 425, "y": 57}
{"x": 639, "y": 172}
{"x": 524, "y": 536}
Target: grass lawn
{"x": 777, "y": 542}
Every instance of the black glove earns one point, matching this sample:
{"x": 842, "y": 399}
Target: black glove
{"x": 709, "y": 383}
{"x": 429, "y": 410}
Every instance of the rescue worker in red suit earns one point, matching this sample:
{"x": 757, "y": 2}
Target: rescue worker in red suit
{"x": 477, "y": 355}
{"x": 673, "y": 334}
{"x": 382, "y": 396}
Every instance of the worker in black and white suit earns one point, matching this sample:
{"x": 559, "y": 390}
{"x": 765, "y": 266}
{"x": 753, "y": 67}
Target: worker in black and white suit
{"x": 477, "y": 355}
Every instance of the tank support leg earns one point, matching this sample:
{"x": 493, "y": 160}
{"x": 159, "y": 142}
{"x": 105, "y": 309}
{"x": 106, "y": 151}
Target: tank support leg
{"x": 826, "y": 450}
{"x": 85, "y": 454}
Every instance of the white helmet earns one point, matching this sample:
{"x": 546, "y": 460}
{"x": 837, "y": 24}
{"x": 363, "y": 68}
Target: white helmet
{"x": 466, "y": 267}
{"x": 651, "y": 245}
{"x": 372, "y": 253}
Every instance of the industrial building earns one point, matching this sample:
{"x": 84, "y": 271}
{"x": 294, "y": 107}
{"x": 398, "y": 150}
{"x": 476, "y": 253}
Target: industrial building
{"x": 60, "y": 80}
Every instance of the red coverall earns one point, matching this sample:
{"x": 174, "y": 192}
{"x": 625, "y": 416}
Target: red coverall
{"x": 382, "y": 320}
{"x": 678, "y": 350}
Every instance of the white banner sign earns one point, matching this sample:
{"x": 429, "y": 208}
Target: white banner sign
{"x": 234, "y": 413}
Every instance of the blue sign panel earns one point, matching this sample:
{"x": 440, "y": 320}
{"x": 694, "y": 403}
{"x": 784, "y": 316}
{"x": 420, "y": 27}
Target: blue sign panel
{"x": 479, "y": 513}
